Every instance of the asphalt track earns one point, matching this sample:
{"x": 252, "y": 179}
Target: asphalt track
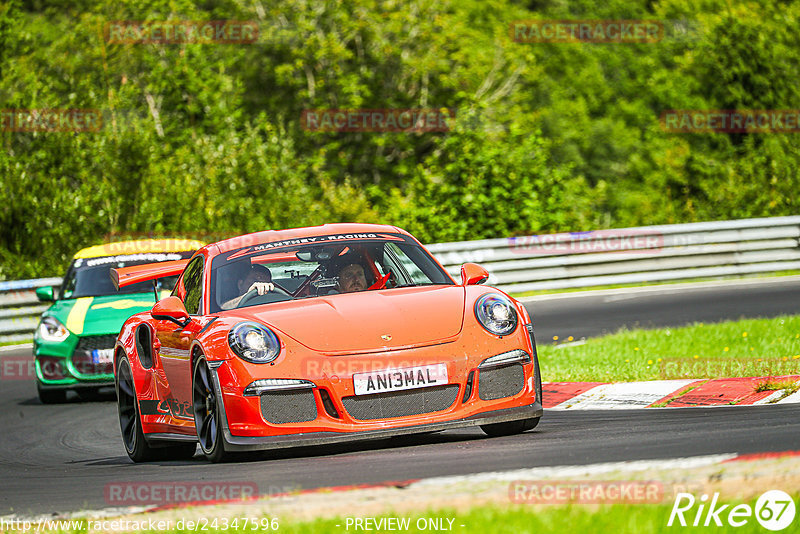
{"x": 61, "y": 458}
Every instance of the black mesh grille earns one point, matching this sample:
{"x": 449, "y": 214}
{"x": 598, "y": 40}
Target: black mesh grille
{"x": 401, "y": 403}
{"x": 501, "y": 382}
{"x": 96, "y": 342}
{"x": 294, "y": 406}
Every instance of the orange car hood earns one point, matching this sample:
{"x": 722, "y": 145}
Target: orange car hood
{"x": 368, "y": 321}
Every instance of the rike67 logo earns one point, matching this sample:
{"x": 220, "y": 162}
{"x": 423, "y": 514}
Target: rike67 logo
{"x": 774, "y": 510}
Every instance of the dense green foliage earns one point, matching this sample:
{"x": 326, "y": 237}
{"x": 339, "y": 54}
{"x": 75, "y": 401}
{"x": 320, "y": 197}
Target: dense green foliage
{"x": 206, "y": 139}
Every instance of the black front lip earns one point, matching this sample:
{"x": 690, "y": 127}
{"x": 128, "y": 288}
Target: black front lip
{"x": 82, "y": 384}
{"x": 236, "y": 443}
{"x": 242, "y": 443}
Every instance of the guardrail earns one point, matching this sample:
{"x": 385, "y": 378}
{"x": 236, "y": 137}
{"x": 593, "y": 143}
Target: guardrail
{"x": 631, "y": 255}
{"x": 561, "y": 261}
{"x": 20, "y": 309}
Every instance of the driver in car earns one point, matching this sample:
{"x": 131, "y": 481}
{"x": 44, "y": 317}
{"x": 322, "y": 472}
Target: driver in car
{"x": 254, "y": 276}
{"x": 352, "y": 278}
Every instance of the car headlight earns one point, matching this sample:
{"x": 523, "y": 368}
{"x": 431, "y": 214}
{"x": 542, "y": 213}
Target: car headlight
{"x": 254, "y": 342}
{"x": 51, "y": 329}
{"x": 496, "y": 314}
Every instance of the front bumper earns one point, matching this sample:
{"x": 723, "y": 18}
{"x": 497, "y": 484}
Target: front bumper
{"x": 60, "y": 372}
{"x": 256, "y": 443}
{"x": 67, "y": 365}
{"x": 237, "y": 443}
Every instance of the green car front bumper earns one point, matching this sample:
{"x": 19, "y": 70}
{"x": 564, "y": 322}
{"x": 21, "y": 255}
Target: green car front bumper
{"x": 78, "y": 361}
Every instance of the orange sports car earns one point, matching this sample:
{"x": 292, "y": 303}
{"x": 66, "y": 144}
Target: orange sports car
{"x": 319, "y": 335}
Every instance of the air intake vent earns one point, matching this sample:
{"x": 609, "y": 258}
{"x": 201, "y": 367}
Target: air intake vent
{"x": 293, "y": 406}
{"x": 401, "y": 403}
{"x": 501, "y": 382}
{"x": 144, "y": 345}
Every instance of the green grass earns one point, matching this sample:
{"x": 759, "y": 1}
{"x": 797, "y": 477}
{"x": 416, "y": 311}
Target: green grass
{"x": 788, "y": 386}
{"x": 534, "y": 519}
{"x": 540, "y": 519}
{"x": 655, "y": 284}
{"x": 750, "y": 347}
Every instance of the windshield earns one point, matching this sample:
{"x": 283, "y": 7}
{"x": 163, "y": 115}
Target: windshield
{"x": 330, "y": 265}
{"x": 91, "y": 277}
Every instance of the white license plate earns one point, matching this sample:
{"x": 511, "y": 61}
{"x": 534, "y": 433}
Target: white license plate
{"x": 102, "y": 356}
{"x": 400, "y": 379}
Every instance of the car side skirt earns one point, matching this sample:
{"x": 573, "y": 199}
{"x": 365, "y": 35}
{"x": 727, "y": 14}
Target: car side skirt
{"x": 167, "y": 436}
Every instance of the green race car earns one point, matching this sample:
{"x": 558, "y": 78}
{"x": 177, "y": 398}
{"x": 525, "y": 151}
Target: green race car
{"x": 74, "y": 342}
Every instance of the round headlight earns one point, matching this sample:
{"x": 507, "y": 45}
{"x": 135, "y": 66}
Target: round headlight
{"x": 51, "y": 329}
{"x": 496, "y": 314}
{"x": 254, "y": 342}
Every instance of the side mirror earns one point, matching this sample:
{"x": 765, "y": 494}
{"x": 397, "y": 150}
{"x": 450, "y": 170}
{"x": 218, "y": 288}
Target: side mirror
{"x": 473, "y": 274}
{"x": 45, "y": 294}
{"x": 171, "y": 309}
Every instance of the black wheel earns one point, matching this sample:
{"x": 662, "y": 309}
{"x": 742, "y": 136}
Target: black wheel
{"x": 206, "y": 414}
{"x": 511, "y": 427}
{"x": 131, "y": 424}
{"x": 51, "y": 396}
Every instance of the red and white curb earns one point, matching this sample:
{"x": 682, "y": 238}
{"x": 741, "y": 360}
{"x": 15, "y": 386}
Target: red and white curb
{"x": 665, "y": 393}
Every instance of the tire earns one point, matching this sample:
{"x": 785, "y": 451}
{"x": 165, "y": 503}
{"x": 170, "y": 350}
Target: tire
{"x": 130, "y": 423}
{"x": 51, "y": 396}
{"x": 207, "y": 421}
{"x": 510, "y": 428}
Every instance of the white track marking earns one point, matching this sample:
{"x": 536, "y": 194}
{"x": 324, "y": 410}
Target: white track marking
{"x": 564, "y": 471}
{"x": 623, "y": 395}
{"x": 770, "y": 399}
{"x": 8, "y": 348}
{"x": 794, "y": 398}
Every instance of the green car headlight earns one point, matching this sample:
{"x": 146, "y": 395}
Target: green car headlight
{"x": 51, "y": 329}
